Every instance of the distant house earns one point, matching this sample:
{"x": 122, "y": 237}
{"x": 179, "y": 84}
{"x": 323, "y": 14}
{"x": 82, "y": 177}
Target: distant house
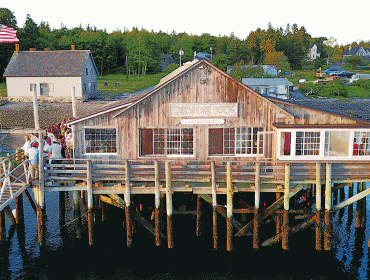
{"x": 52, "y": 74}
{"x": 313, "y": 52}
{"x": 272, "y": 87}
{"x": 357, "y": 50}
{"x": 203, "y": 55}
{"x": 267, "y": 69}
{"x": 166, "y": 59}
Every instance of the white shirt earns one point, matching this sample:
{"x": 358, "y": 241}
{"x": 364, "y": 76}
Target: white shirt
{"x": 55, "y": 150}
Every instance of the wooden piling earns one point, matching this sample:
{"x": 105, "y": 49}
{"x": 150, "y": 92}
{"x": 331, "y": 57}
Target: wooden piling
{"x": 318, "y": 207}
{"x": 214, "y": 205}
{"x": 90, "y": 204}
{"x": 359, "y": 207}
{"x": 2, "y": 227}
{"x": 41, "y": 225}
{"x": 229, "y": 207}
{"x": 20, "y": 211}
{"x": 169, "y": 204}
{"x": 199, "y": 216}
{"x": 62, "y": 208}
{"x": 257, "y": 198}
{"x": 77, "y": 212}
{"x": 9, "y": 214}
{"x": 279, "y": 217}
{"x": 285, "y": 243}
{"x": 127, "y": 204}
{"x": 157, "y": 202}
{"x": 328, "y": 206}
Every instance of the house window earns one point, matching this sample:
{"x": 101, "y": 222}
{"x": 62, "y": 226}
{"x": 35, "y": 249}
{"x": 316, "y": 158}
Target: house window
{"x": 171, "y": 141}
{"x": 100, "y": 140}
{"x": 336, "y": 143}
{"x": 235, "y": 141}
{"x": 361, "y": 143}
{"x": 307, "y": 143}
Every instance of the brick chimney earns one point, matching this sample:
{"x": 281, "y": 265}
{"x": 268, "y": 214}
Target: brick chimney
{"x": 16, "y": 48}
{"x": 32, "y": 49}
{"x": 47, "y": 49}
{"x": 72, "y": 47}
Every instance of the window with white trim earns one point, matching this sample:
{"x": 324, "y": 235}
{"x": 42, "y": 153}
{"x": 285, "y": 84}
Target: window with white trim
{"x": 235, "y": 141}
{"x": 307, "y": 143}
{"x": 100, "y": 140}
{"x": 361, "y": 143}
{"x": 170, "y": 141}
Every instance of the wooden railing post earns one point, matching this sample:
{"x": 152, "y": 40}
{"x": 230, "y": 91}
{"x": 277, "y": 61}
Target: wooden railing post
{"x": 328, "y": 206}
{"x": 318, "y": 206}
{"x": 257, "y": 199}
{"x": 157, "y": 202}
{"x": 2, "y": 227}
{"x": 169, "y": 204}
{"x": 127, "y": 204}
{"x": 214, "y": 205}
{"x": 229, "y": 207}
{"x": 285, "y": 244}
{"x": 90, "y": 203}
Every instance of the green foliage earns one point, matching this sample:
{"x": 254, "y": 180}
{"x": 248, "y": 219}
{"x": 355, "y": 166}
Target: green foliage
{"x": 172, "y": 67}
{"x": 318, "y": 62}
{"x": 221, "y": 61}
{"x": 364, "y": 83}
{"x": 3, "y": 90}
{"x": 354, "y": 61}
{"x": 334, "y": 88}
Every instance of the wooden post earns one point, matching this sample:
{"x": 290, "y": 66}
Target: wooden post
{"x": 90, "y": 203}
{"x": 2, "y": 227}
{"x": 257, "y": 199}
{"x": 74, "y": 108}
{"x": 19, "y": 211}
{"x": 229, "y": 207}
{"x": 62, "y": 208}
{"x": 77, "y": 212}
{"x": 363, "y": 210}
{"x": 318, "y": 207}
{"x": 199, "y": 216}
{"x": 9, "y": 214}
{"x": 40, "y": 225}
{"x": 157, "y": 203}
{"x": 41, "y": 185}
{"x": 278, "y": 215}
{"x": 214, "y": 205}
{"x": 285, "y": 244}
{"x": 127, "y": 204}
{"x": 350, "y": 207}
{"x": 35, "y": 108}
{"x": 18, "y": 155}
{"x": 328, "y": 206}
{"x": 169, "y": 204}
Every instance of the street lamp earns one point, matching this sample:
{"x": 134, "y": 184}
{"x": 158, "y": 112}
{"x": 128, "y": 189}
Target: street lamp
{"x": 181, "y": 53}
{"x": 211, "y": 52}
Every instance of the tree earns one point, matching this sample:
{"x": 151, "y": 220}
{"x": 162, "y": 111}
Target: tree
{"x": 354, "y": 60}
{"x": 279, "y": 60}
{"x": 329, "y": 44}
{"x": 239, "y": 70}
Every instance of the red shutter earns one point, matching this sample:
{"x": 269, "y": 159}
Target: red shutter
{"x": 146, "y": 147}
{"x": 216, "y": 140}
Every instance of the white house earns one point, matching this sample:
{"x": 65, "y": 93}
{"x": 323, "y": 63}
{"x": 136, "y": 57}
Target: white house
{"x": 313, "y": 52}
{"x": 356, "y": 50}
{"x": 52, "y": 73}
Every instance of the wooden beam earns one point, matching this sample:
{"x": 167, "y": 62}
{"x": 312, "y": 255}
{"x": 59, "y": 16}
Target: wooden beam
{"x": 169, "y": 204}
{"x": 214, "y": 205}
{"x": 129, "y": 226}
{"x": 229, "y": 207}
{"x": 157, "y": 202}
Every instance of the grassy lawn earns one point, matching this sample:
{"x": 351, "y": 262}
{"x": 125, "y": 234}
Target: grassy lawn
{"x": 309, "y": 75}
{"x": 2, "y": 89}
{"x": 133, "y": 83}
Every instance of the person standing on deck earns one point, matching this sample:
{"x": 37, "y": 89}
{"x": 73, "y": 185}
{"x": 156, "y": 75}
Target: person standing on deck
{"x": 55, "y": 150}
{"x": 27, "y": 144}
{"x": 33, "y": 155}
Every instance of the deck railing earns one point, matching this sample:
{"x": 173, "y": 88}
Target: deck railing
{"x": 140, "y": 171}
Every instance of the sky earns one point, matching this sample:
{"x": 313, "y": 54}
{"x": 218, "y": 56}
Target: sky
{"x": 344, "y": 22}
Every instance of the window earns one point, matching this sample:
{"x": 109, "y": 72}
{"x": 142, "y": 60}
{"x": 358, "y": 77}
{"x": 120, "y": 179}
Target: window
{"x": 100, "y": 140}
{"x": 307, "y": 143}
{"x": 285, "y": 143}
{"x": 235, "y": 141}
{"x": 336, "y": 143}
{"x": 361, "y": 143}
{"x": 171, "y": 141}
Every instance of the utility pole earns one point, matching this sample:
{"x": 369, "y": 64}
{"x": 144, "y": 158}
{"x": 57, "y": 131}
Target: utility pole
{"x": 126, "y": 69}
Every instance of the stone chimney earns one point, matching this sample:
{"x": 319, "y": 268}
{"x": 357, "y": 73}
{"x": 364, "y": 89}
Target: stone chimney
{"x": 32, "y": 49}
{"x": 16, "y": 48}
{"x": 47, "y": 49}
{"x": 73, "y": 47}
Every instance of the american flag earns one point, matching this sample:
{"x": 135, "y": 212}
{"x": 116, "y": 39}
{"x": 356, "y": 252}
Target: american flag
{"x": 7, "y": 34}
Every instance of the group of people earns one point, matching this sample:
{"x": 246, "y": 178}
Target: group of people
{"x": 58, "y": 143}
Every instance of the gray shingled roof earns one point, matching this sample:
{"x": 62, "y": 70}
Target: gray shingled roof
{"x": 352, "y": 50}
{"x": 266, "y": 81}
{"x": 47, "y": 64}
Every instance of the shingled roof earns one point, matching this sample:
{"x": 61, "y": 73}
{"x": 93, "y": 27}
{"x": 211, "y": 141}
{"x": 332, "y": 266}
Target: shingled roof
{"x": 48, "y": 63}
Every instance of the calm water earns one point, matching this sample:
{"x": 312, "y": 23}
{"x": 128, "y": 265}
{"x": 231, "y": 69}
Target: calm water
{"x": 66, "y": 257}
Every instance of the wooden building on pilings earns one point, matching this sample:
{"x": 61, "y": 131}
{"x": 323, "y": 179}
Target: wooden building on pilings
{"x": 202, "y": 131}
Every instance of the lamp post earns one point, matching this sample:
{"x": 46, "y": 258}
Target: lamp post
{"x": 181, "y": 53}
{"x": 211, "y": 53}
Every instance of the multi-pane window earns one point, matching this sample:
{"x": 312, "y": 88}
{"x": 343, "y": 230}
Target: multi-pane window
{"x": 361, "y": 143}
{"x": 235, "y": 141}
{"x": 170, "y": 141}
{"x": 307, "y": 143}
{"x": 100, "y": 140}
